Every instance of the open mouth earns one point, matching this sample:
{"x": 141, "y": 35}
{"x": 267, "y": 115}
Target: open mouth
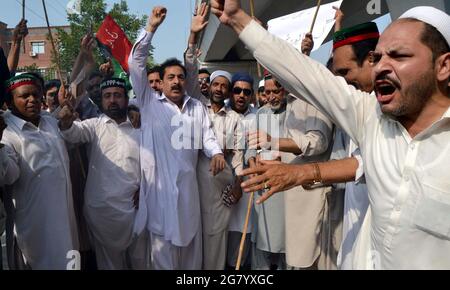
{"x": 385, "y": 91}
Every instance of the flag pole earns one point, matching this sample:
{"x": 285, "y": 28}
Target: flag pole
{"x": 252, "y": 13}
{"x": 23, "y": 17}
{"x": 58, "y": 69}
{"x": 244, "y": 233}
{"x": 315, "y": 16}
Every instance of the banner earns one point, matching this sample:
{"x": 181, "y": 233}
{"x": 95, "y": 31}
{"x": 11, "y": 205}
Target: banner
{"x": 293, "y": 27}
{"x": 112, "y": 38}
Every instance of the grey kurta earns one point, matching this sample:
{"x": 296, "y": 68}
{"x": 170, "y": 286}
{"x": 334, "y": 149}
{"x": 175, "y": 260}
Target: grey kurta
{"x": 305, "y": 210}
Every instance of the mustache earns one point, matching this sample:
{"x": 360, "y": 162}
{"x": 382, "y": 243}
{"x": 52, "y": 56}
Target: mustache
{"x": 385, "y": 77}
{"x": 176, "y": 87}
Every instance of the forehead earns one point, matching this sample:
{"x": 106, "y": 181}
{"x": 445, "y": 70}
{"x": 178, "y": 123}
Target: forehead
{"x": 113, "y": 90}
{"x": 270, "y": 83}
{"x": 343, "y": 56}
{"x": 221, "y": 80}
{"x": 26, "y": 89}
{"x": 153, "y": 75}
{"x": 174, "y": 70}
{"x": 401, "y": 34}
{"x": 242, "y": 84}
{"x": 203, "y": 75}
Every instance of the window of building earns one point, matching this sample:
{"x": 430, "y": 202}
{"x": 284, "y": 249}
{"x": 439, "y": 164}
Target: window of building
{"x": 38, "y": 47}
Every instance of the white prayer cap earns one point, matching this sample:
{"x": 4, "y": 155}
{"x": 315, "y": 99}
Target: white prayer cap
{"x": 261, "y": 84}
{"x": 220, "y": 73}
{"x": 432, "y": 16}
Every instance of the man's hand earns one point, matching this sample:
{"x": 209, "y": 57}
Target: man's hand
{"x": 199, "y": 20}
{"x": 20, "y": 31}
{"x": 225, "y": 9}
{"x": 307, "y": 44}
{"x": 217, "y": 164}
{"x": 2, "y": 127}
{"x": 274, "y": 177}
{"x": 87, "y": 44}
{"x": 66, "y": 117}
{"x": 158, "y": 15}
{"x": 338, "y": 17}
{"x": 107, "y": 69}
{"x": 135, "y": 118}
{"x": 259, "y": 140}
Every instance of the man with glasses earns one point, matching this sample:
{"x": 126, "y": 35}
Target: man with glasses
{"x": 292, "y": 131}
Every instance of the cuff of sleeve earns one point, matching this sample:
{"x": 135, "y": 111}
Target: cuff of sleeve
{"x": 215, "y": 152}
{"x": 359, "y": 176}
{"x": 67, "y": 132}
{"x": 252, "y": 35}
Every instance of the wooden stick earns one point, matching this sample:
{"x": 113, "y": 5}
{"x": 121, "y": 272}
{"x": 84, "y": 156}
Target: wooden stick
{"x": 252, "y": 13}
{"x": 244, "y": 233}
{"x": 23, "y": 17}
{"x": 315, "y": 16}
{"x": 58, "y": 69}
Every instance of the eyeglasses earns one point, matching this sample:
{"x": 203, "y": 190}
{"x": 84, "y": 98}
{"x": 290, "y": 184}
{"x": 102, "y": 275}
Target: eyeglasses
{"x": 203, "y": 80}
{"x": 268, "y": 92}
{"x": 238, "y": 91}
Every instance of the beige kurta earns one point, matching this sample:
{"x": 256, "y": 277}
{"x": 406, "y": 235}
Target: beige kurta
{"x": 306, "y": 210}
{"x": 215, "y": 215}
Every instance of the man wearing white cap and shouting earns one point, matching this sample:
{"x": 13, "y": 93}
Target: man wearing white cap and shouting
{"x": 403, "y": 133}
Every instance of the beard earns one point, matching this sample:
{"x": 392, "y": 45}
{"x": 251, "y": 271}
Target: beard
{"x": 116, "y": 113}
{"x": 414, "y": 96}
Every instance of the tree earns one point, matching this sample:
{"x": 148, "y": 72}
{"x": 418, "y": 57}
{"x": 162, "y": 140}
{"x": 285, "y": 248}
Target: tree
{"x": 92, "y": 14}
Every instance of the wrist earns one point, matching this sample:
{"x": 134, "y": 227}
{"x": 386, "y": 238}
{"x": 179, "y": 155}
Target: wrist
{"x": 151, "y": 28}
{"x": 239, "y": 20}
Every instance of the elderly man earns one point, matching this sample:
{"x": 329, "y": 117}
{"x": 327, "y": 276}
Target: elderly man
{"x": 174, "y": 129}
{"x": 41, "y": 221}
{"x": 402, "y": 133}
{"x": 114, "y": 176}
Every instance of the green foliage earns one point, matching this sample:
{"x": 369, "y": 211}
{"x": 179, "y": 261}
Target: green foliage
{"x": 92, "y": 14}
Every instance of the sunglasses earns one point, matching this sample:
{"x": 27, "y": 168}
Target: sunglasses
{"x": 203, "y": 80}
{"x": 237, "y": 91}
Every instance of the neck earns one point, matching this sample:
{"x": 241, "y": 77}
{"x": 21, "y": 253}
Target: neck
{"x": 120, "y": 120}
{"x": 217, "y": 106}
{"x": 35, "y": 121}
{"x": 432, "y": 111}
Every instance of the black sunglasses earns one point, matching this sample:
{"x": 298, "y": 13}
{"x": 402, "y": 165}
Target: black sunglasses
{"x": 238, "y": 91}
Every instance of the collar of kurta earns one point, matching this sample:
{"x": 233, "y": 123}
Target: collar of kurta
{"x": 223, "y": 111}
{"x": 186, "y": 99}
{"x": 106, "y": 119}
{"x": 19, "y": 122}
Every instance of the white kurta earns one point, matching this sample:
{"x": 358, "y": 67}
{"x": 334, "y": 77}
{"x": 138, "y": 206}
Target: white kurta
{"x": 407, "y": 178}
{"x": 113, "y": 178}
{"x": 171, "y": 140}
{"x": 38, "y": 182}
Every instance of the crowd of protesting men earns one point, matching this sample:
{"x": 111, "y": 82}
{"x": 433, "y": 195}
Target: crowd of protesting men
{"x": 348, "y": 162}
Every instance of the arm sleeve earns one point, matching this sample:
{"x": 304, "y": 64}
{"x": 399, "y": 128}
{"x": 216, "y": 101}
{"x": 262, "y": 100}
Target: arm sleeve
{"x": 80, "y": 132}
{"x": 302, "y": 76}
{"x": 9, "y": 165}
{"x": 137, "y": 63}
{"x": 210, "y": 145}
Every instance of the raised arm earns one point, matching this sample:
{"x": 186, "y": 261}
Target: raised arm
{"x": 75, "y": 132}
{"x": 84, "y": 63}
{"x": 20, "y": 31}
{"x": 137, "y": 61}
{"x": 192, "y": 52}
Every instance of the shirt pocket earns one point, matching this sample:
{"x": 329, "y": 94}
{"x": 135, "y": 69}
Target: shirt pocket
{"x": 433, "y": 212}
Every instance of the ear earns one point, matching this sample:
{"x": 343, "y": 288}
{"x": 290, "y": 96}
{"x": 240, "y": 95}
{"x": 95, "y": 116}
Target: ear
{"x": 443, "y": 68}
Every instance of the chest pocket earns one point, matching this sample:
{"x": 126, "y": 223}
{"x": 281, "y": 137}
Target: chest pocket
{"x": 433, "y": 212}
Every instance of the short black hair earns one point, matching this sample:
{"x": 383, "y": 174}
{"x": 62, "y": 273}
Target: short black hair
{"x": 204, "y": 71}
{"x": 169, "y": 63}
{"x": 154, "y": 69}
{"x": 52, "y": 84}
{"x": 361, "y": 49}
